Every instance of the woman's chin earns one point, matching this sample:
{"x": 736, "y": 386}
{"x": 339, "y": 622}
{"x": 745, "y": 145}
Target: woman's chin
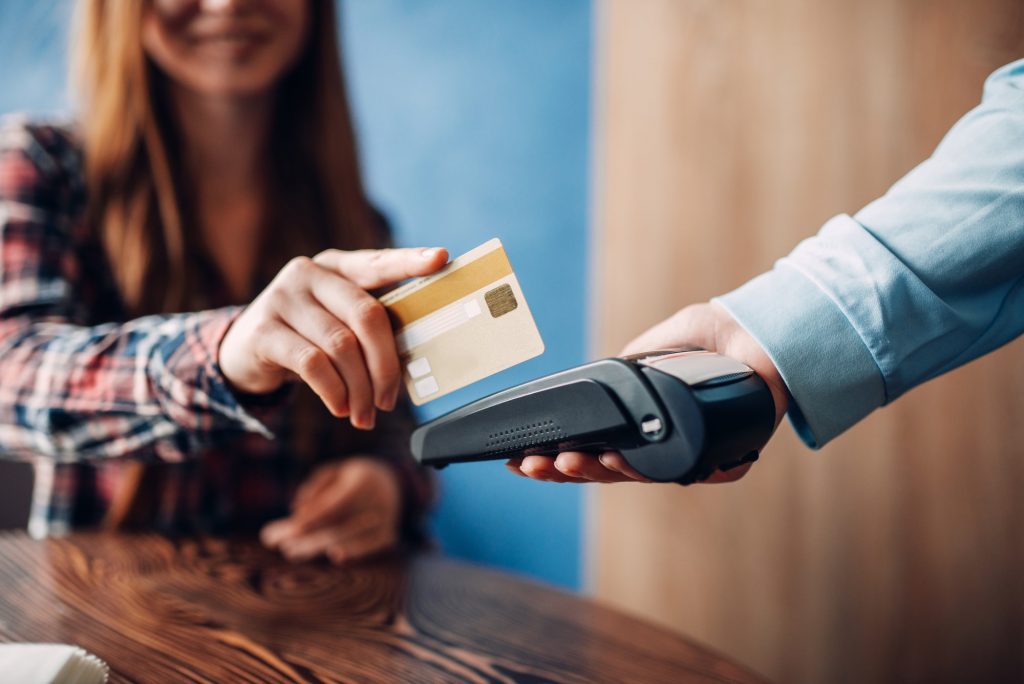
{"x": 232, "y": 82}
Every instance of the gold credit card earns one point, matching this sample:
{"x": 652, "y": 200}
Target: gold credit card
{"x": 461, "y": 324}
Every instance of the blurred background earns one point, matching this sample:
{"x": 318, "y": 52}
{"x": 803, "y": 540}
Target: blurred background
{"x": 474, "y": 122}
{"x": 637, "y": 155}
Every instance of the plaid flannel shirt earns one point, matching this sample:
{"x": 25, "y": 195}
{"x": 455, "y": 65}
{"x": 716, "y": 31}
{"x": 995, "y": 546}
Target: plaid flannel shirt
{"x": 85, "y": 393}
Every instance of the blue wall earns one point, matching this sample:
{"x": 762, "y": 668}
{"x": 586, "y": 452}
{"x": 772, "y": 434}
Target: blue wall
{"x": 474, "y": 123}
{"x": 33, "y": 55}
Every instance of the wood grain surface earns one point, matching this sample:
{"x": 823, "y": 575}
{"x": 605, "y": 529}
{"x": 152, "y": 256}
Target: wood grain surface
{"x": 210, "y": 610}
{"x": 727, "y": 132}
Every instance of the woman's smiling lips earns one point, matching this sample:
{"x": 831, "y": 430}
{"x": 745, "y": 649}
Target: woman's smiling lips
{"x": 233, "y": 44}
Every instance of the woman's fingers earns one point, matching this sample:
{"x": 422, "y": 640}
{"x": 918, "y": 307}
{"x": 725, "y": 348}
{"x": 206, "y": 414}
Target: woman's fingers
{"x": 362, "y": 546}
{"x": 358, "y": 538}
{"x": 331, "y": 507}
{"x": 275, "y": 532}
{"x": 324, "y": 510}
{"x": 324, "y": 300}
{"x": 317, "y": 542}
{"x": 310, "y": 545}
{"x": 373, "y": 268}
{"x": 354, "y": 514}
{"x": 284, "y": 347}
{"x": 366, "y": 318}
{"x": 343, "y": 348}
{"x": 315, "y": 486}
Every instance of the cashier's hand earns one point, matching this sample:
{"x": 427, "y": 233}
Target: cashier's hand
{"x": 703, "y": 325}
{"x": 346, "y": 510}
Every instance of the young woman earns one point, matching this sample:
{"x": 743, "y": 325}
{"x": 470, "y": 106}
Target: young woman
{"x": 214, "y": 151}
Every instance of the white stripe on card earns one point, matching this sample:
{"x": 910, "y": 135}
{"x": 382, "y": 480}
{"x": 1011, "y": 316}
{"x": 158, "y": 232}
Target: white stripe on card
{"x": 437, "y": 323}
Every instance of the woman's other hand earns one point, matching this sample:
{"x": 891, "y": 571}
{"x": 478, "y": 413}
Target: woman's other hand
{"x": 316, "y": 321}
{"x": 346, "y": 510}
{"x": 702, "y": 325}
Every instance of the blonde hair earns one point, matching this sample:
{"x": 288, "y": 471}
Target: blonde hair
{"x": 139, "y": 202}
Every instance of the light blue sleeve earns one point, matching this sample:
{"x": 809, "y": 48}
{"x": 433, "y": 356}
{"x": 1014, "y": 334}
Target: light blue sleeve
{"x": 918, "y": 282}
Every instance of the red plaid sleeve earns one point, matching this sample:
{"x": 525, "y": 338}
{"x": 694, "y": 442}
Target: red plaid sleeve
{"x": 150, "y": 386}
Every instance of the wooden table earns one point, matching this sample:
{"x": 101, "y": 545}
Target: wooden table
{"x": 213, "y": 610}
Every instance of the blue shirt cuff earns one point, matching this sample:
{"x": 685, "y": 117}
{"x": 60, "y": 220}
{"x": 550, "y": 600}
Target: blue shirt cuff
{"x": 831, "y": 376}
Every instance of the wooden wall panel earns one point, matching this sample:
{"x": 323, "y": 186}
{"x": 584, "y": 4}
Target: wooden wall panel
{"x": 727, "y": 130}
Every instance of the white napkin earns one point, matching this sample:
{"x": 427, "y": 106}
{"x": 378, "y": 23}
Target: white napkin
{"x": 50, "y": 664}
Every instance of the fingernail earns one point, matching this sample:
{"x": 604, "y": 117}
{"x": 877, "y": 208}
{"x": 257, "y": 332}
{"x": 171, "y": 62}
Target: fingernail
{"x": 275, "y": 533}
{"x": 364, "y": 421}
{"x": 268, "y": 536}
{"x": 430, "y": 253}
{"x": 515, "y": 470}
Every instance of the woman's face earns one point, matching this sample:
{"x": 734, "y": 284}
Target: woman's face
{"x": 225, "y": 47}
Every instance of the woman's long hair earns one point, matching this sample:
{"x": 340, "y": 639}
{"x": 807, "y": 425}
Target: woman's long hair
{"x": 140, "y": 205}
{"x": 139, "y": 202}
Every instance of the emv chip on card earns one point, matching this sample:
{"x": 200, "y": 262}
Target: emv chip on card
{"x": 462, "y": 324}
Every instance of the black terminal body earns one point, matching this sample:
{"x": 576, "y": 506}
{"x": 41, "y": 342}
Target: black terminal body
{"x": 676, "y": 416}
